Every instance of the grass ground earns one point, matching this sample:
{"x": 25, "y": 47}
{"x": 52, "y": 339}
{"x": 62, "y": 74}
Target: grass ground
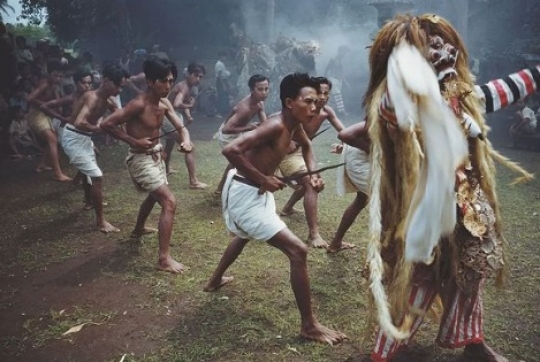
{"x": 57, "y": 272}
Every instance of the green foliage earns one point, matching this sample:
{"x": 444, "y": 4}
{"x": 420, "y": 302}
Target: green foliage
{"x": 32, "y": 32}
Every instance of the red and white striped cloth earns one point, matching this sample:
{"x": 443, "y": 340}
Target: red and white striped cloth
{"x": 461, "y": 322}
{"x": 495, "y": 94}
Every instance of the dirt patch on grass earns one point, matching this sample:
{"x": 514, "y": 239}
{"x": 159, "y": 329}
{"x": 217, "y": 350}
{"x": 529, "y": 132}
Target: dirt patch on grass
{"x": 35, "y": 306}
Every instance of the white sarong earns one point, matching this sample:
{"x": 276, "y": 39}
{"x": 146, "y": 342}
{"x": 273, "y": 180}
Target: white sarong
{"x": 147, "y": 170}
{"x": 354, "y": 177}
{"x": 248, "y": 214}
{"x": 79, "y": 147}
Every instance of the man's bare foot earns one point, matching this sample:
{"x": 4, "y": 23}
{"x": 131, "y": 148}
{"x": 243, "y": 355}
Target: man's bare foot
{"x": 63, "y": 178}
{"x": 322, "y": 334}
{"x": 136, "y": 234}
{"x": 287, "y": 212}
{"x": 318, "y": 242}
{"x": 170, "y": 265}
{"x": 213, "y": 287}
{"x": 198, "y": 186}
{"x": 481, "y": 352}
{"x": 332, "y": 249}
{"x": 106, "y": 228}
{"x": 171, "y": 171}
{"x": 41, "y": 169}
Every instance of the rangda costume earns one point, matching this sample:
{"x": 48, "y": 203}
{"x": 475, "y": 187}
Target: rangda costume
{"x": 435, "y": 227}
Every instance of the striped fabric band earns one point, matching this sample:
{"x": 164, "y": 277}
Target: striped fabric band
{"x": 500, "y": 93}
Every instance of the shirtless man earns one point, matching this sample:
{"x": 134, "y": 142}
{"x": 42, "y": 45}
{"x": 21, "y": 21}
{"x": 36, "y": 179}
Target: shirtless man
{"x": 354, "y": 178}
{"x": 41, "y": 123}
{"x": 77, "y": 137}
{"x": 238, "y": 121}
{"x": 248, "y": 202}
{"x": 293, "y": 164}
{"x": 143, "y": 117}
{"x": 60, "y": 106}
{"x": 183, "y": 102}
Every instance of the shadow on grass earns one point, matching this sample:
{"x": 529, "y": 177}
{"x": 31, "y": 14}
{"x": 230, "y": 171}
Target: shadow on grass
{"x": 219, "y": 329}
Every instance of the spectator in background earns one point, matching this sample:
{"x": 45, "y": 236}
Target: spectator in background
{"x": 125, "y": 59}
{"x": 8, "y": 58}
{"x": 222, "y": 85}
{"x": 18, "y": 98}
{"x": 24, "y": 55}
{"x": 87, "y": 60}
{"x": 525, "y": 121}
{"x": 22, "y": 141}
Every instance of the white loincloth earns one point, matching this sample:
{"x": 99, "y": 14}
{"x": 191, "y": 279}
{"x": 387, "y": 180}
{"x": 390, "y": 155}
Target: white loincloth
{"x": 248, "y": 214}
{"x": 225, "y": 138}
{"x": 147, "y": 170}
{"x": 354, "y": 177}
{"x": 80, "y": 150}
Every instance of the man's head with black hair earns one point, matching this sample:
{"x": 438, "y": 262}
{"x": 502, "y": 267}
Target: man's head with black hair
{"x": 298, "y": 94}
{"x": 83, "y": 79}
{"x": 195, "y": 73}
{"x": 114, "y": 77}
{"x": 160, "y": 75}
{"x": 292, "y": 84}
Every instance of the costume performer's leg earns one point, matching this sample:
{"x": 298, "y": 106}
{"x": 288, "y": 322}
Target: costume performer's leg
{"x": 421, "y": 298}
{"x": 462, "y": 321}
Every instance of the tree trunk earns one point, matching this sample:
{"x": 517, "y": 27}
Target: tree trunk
{"x": 270, "y": 13}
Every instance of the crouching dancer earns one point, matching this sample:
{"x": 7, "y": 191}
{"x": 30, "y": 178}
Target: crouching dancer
{"x": 249, "y": 208}
{"x": 143, "y": 117}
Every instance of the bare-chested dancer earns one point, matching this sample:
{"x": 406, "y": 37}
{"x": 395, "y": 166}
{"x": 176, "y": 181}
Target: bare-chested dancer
{"x": 41, "y": 123}
{"x": 238, "y": 120}
{"x": 77, "y": 137}
{"x": 183, "y": 101}
{"x": 83, "y": 83}
{"x": 355, "y": 175}
{"x": 143, "y": 117}
{"x": 56, "y": 108}
{"x": 293, "y": 164}
{"x": 248, "y": 202}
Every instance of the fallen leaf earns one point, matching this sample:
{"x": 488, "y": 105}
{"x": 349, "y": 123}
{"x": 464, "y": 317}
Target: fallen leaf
{"x": 78, "y": 328}
{"x": 74, "y": 329}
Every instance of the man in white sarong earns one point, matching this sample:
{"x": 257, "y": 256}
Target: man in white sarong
{"x": 77, "y": 138}
{"x": 248, "y": 202}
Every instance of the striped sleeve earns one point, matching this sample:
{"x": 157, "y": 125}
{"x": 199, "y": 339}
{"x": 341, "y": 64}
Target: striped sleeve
{"x": 500, "y": 93}
{"x": 386, "y": 109}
